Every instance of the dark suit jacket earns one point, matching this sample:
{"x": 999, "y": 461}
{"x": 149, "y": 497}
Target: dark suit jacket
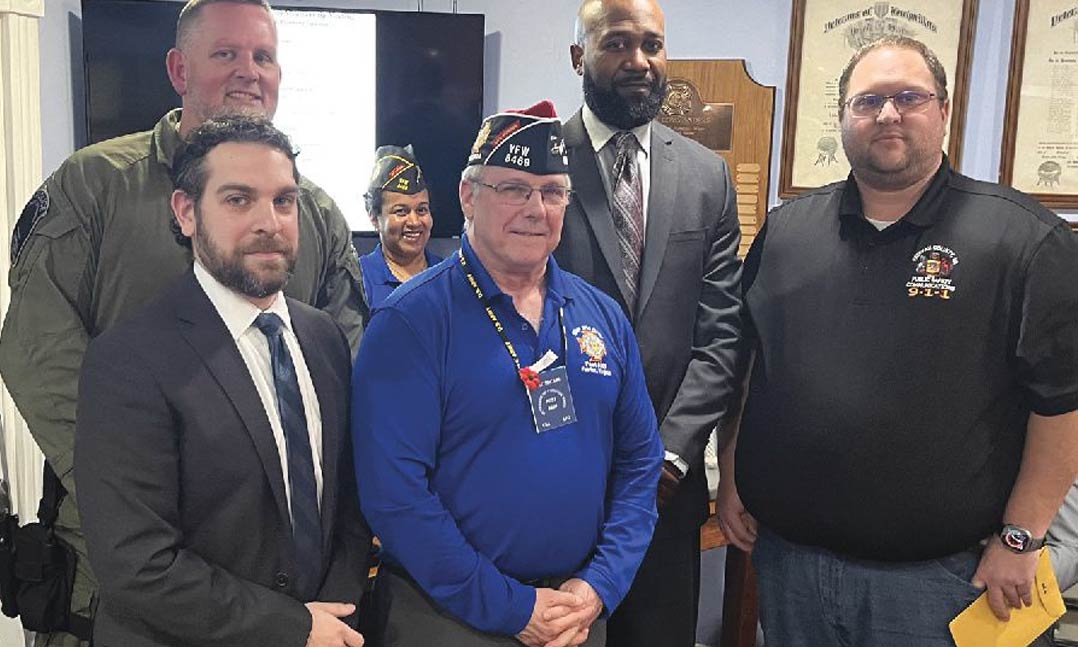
{"x": 180, "y": 484}
{"x": 686, "y": 318}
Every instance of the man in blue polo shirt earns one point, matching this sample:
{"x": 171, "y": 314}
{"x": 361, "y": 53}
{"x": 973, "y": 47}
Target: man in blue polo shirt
{"x": 508, "y": 452}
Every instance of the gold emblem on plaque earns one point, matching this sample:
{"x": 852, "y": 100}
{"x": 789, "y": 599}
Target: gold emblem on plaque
{"x": 710, "y": 124}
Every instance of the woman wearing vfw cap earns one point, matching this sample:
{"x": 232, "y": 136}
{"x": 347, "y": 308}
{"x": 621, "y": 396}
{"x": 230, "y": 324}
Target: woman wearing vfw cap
{"x": 398, "y": 204}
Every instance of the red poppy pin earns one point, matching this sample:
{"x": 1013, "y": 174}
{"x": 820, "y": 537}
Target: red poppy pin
{"x": 530, "y": 378}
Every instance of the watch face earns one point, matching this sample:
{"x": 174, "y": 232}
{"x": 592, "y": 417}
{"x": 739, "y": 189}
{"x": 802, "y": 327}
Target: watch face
{"x": 1017, "y": 539}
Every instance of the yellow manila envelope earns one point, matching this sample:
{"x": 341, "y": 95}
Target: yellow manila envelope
{"x": 977, "y": 626}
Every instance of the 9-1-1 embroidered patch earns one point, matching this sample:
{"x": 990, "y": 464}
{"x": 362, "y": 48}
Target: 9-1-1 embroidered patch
{"x": 932, "y": 277}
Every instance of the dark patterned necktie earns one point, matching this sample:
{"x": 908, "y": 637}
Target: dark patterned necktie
{"x": 306, "y": 520}
{"x": 627, "y": 209}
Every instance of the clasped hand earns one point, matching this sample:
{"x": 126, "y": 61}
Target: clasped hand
{"x": 562, "y": 617}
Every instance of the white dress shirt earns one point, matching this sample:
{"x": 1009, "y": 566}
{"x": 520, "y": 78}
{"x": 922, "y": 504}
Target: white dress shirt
{"x": 600, "y": 135}
{"x": 239, "y": 315}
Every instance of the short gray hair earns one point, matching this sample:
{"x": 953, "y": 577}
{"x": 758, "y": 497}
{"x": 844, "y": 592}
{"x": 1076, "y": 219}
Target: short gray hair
{"x": 185, "y": 24}
{"x": 472, "y": 173}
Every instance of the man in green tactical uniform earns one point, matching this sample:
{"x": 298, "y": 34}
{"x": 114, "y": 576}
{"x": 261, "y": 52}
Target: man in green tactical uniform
{"x": 96, "y": 241}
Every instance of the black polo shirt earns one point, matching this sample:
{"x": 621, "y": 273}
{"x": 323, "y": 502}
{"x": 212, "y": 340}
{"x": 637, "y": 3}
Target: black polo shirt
{"x": 896, "y": 370}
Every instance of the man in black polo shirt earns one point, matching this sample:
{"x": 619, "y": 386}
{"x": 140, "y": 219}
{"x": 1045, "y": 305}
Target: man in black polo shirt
{"x": 911, "y": 425}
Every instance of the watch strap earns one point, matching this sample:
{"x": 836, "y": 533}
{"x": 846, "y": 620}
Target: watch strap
{"x": 1019, "y": 540}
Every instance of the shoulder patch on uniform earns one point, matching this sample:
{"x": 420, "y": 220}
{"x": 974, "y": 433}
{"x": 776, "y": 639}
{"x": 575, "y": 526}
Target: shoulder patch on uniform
{"x": 32, "y": 213}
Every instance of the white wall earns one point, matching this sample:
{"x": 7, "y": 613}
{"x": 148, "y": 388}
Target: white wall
{"x": 57, "y": 115}
{"x": 528, "y": 59}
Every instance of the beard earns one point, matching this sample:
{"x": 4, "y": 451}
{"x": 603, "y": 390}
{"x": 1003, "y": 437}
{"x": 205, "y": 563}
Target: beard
{"x": 226, "y": 111}
{"x": 230, "y": 271}
{"x": 891, "y": 172}
{"x": 618, "y": 112}
{"x": 204, "y": 110}
{"x": 892, "y": 155}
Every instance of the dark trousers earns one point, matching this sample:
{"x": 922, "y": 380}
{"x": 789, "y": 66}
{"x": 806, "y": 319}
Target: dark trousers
{"x": 661, "y": 608}
{"x": 413, "y": 620}
{"x": 372, "y": 616}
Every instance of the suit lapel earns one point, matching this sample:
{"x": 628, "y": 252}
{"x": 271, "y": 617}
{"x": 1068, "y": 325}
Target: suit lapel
{"x": 590, "y": 194}
{"x": 321, "y": 372}
{"x": 660, "y": 212}
{"x": 204, "y": 330}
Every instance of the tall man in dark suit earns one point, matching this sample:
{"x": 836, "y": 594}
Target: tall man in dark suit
{"x": 653, "y": 223}
{"x": 212, "y": 453}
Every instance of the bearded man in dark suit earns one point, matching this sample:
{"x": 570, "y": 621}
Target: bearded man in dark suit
{"x": 653, "y": 223}
{"x": 212, "y": 455}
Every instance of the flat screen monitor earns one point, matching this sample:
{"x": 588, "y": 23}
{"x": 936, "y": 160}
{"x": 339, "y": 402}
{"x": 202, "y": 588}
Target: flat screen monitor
{"x": 352, "y": 80}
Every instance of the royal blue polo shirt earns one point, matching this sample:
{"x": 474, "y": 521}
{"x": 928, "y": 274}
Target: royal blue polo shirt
{"x": 463, "y": 492}
{"x": 378, "y": 281}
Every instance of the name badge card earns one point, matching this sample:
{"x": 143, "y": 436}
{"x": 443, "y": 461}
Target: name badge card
{"x": 552, "y": 402}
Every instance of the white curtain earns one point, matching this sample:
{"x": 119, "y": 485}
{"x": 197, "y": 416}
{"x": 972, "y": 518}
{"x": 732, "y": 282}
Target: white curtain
{"x": 20, "y": 175}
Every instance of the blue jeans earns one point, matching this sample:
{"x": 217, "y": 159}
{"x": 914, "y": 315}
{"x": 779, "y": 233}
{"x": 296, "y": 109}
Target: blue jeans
{"x": 811, "y": 597}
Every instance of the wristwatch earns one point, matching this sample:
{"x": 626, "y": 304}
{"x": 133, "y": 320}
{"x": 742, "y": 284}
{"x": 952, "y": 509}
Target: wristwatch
{"x": 1019, "y": 540}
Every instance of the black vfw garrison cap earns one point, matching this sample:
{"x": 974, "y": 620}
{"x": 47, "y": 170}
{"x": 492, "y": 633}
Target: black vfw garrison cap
{"x": 526, "y": 140}
{"x": 395, "y": 169}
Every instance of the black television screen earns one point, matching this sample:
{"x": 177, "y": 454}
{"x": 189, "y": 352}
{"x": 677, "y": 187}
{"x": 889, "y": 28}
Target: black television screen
{"x": 406, "y": 77}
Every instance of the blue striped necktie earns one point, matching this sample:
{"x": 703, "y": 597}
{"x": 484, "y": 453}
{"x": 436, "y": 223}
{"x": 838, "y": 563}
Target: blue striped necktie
{"x": 627, "y": 208}
{"x": 306, "y": 520}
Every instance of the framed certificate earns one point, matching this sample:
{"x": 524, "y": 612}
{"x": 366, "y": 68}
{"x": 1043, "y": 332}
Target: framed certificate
{"x": 825, "y": 34}
{"x": 1040, "y": 128}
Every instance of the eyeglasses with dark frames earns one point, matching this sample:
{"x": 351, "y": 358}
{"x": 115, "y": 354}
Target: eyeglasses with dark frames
{"x": 870, "y": 105}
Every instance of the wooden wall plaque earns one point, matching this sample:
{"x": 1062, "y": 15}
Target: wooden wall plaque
{"x": 717, "y": 103}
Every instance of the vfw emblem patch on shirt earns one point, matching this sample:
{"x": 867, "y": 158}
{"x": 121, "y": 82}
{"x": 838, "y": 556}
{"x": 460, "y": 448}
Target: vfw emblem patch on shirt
{"x": 592, "y": 345}
{"x": 932, "y": 269}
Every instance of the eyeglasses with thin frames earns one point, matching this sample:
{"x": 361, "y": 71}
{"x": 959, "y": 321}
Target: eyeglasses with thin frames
{"x": 870, "y": 105}
{"x": 516, "y": 195}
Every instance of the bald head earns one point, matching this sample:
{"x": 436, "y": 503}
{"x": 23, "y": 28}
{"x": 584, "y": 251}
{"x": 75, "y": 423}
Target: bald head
{"x": 593, "y": 13}
{"x": 620, "y": 54}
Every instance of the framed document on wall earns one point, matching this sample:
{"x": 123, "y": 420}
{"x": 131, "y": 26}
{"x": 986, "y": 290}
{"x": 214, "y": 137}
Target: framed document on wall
{"x": 1040, "y": 129}
{"x": 824, "y": 35}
